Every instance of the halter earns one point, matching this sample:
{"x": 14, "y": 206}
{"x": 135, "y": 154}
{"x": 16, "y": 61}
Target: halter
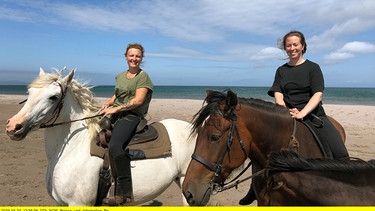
{"x": 216, "y": 168}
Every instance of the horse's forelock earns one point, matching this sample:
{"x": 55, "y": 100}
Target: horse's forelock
{"x": 212, "y": 99}
{"x": 200, "y": 117}
{"x": 44, "y": 80}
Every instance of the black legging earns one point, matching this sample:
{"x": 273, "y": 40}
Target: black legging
{"x": 333, "y": 139}
{"x": 122, "y": 133}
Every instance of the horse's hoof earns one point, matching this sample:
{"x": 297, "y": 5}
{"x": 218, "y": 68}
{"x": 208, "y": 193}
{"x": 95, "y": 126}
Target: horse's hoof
{"x": 109, "y": 201}
{"x": 121, "y": 200}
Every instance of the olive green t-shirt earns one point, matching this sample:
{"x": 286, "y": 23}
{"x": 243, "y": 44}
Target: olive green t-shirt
{"x": 126, "y": 87}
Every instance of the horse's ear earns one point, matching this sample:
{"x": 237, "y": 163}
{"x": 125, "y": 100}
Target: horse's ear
{"x": 67, "y": 79}
{"x": 232, "y": 99}
{"x": 230, "y": 103}
{"x": 209, "y": 92}
{"x": 41, "y": 71}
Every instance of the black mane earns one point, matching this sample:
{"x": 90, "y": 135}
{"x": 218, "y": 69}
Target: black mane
{"x": 290, "y": 161}
{"x": 262, "y": 104}
{"x": 215, "y": 97}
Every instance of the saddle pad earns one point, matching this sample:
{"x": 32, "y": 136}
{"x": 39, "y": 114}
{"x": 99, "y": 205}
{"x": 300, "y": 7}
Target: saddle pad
{"x": 160, "y": 147}
{"x": 321, "y": 141}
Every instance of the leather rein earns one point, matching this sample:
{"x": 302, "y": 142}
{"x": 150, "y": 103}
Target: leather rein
{"x": 56, "y": 113}
{"x": 216, "y": 168}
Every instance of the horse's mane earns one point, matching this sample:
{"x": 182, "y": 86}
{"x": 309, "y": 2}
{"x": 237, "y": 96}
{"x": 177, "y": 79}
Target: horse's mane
{"x": 290, "y": 161}
{"x": 81, "y": 92}
{"x": 264, "y": 105}
{"x": 215, "y": 98}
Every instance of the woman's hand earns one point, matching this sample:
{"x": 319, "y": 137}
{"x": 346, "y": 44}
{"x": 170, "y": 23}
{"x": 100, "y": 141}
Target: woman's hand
{"x": 295, "y": 113}
{"x": 109, "y": 102}
{"x": 109, "y": 110}
{"x": 311, "y": 105}
{"x": 104, "y": 106}
{"x": 106, "y": 109}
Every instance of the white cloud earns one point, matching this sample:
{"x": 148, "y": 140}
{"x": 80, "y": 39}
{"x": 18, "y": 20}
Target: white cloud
{"x": 210, "y": 20}
{"x": 348, "y": 51}
{"x": 337, "y": 57}
{"x": 358, "y": 47}
{"x": 16, "y": 15}
{"x": 268, "y": 53}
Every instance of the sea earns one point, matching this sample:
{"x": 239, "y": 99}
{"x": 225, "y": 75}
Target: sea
{"x": 332, "y": 95}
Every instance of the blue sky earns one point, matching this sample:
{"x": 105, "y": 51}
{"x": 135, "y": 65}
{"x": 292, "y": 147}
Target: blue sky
{"x": 187, "y": 42}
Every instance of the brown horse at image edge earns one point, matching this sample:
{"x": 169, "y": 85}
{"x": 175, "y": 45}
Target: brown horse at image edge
{"x": 232, "y": 129}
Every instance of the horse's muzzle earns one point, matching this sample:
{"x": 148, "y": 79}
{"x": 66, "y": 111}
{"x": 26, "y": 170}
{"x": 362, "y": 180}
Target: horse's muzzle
{"x": 194, "y": 200}
{"x": 18, "y": 133}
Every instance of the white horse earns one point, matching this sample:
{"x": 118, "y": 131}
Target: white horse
{"x": 73, "y": 174}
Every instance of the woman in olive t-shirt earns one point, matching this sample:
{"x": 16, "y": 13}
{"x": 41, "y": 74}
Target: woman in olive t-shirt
{"x": 127, "y": 107}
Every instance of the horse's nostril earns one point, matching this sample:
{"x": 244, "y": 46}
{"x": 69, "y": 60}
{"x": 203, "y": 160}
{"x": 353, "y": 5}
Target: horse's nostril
{"x": 189, "y": 198}
{"x": 18, "y": 126}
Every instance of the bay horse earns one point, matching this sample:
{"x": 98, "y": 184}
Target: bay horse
{"x": 73, "y": 174}
{"x": 232, "y": 129}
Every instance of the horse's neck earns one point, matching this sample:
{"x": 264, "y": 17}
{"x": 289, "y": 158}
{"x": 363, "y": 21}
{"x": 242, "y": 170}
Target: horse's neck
{"x": 269, "y": 131}
{"x": 70, "y": 137}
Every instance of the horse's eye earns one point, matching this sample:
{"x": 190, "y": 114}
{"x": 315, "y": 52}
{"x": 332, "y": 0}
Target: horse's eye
{"x": 54, "y": 98}
{"x": 215, "y": 138}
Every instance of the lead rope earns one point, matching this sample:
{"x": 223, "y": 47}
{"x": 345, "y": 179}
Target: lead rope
{"x": 293, "y": 143}
{"x": 71, "y": 121}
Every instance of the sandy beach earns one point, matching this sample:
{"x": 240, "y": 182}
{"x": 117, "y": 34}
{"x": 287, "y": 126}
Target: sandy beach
{"x": 23, "y": 164}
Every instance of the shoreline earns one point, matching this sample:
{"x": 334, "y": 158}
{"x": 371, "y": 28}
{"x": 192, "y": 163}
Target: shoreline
{"x": 19, "y": 98}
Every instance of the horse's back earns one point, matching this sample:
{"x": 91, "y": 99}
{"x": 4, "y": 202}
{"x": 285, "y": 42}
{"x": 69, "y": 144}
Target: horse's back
{"x": 338, "y": 127}
{"x": 183, "y": 142}
{"x": 179, "y": 133}
{"x": 151, "y": 177}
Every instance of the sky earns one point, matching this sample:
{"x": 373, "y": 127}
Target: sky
{"x": 187, "y": 42}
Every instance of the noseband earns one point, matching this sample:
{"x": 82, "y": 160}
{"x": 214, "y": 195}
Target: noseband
{"x": 216, "y": 168}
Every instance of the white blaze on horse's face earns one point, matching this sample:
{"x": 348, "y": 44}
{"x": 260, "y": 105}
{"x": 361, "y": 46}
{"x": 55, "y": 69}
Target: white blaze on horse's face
{"x": 37, "y": 109}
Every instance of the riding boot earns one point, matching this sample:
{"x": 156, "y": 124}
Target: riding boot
{"x": 123, "y": 187}
{"x": 249, "y": 198}
{"x": 110, "y": 199}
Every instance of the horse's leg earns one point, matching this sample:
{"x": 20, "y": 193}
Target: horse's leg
{"x": 338, "y": 127}
{"x": 179, "y": 181}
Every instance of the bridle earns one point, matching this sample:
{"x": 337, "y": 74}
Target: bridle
{"x": 216, "y": 168}
{"x": 56, "y": 112}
